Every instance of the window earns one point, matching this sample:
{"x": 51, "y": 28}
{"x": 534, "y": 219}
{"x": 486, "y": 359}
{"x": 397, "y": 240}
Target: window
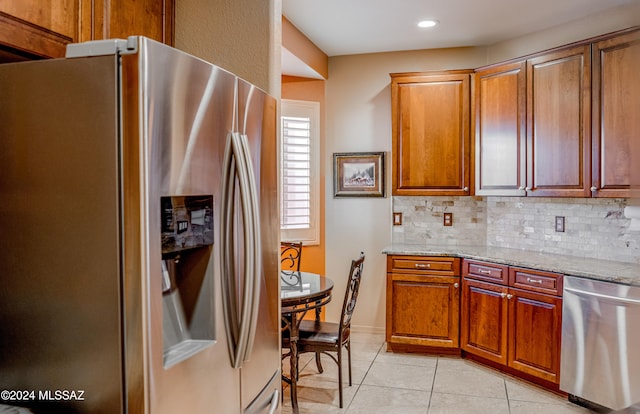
{"x": 299, "y": 190}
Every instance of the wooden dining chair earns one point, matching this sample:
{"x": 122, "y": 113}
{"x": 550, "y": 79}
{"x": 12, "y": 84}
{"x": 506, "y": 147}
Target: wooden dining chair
{"x": 290, "y": 256}
{"x": 322, "y": 337}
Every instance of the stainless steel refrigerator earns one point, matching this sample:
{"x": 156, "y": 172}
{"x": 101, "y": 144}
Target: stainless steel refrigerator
{"x": 138, "y": 235}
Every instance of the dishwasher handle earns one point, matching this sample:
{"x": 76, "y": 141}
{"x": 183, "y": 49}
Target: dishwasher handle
{"x": 602, "y": 296}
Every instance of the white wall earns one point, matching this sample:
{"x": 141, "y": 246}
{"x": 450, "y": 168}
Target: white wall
{"x": 359, "y": 119}
{"x": 606, "y": 22}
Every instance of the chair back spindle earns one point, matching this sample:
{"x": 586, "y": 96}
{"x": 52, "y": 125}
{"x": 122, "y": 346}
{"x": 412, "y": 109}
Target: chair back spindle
{"x": 351, "y": 294}
{"x": 290, "y": 256}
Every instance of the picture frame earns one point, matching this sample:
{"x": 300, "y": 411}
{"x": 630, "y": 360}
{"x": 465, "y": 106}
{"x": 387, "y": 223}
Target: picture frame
{"x": 358, "y": 174}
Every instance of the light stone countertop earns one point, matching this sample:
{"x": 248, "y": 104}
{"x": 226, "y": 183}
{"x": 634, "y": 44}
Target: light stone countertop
{"x": 619, "y": 272}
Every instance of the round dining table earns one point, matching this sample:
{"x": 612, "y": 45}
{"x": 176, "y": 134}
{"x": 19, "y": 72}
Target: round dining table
{"x": 300, "y": 292}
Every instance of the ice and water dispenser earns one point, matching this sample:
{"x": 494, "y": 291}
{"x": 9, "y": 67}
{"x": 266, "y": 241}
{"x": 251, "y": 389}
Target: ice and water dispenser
{"x": 187, "y": 279}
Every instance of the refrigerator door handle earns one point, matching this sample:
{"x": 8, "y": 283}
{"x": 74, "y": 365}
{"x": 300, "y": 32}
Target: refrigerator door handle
{"x": 229, "y": 293}
{"x": 240, "y": 327}
{"x": 254, "y": 240}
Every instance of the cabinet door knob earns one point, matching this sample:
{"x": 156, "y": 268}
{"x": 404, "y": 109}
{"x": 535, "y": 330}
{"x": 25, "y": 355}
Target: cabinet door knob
{"x": 465, "y": 189}
{"x": 455, "y": 285}
{"x": 503, "y": 295}
{"x": 521, "y": 188}
{"x": 509, "y": 296}
{"x": 594, "y": 188}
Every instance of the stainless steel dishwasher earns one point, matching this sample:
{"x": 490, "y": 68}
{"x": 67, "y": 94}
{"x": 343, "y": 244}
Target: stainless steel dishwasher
{"x": 600, "y": 358}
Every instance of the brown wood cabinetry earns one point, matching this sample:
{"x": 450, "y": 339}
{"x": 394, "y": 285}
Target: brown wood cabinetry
{"x": 43, "y": 28}
{"x": 40, "y": 28}
{"x": 423, "y": 295}
{"x": 500, "y": 122}
{"x": 430, "y": 127}
{"x": 559, "y": 123}
{"x": 616, "y": 105}
{"x": 532, "y": 126}
{"x": 124, "y": 18}
{"x": 512, "y": 317}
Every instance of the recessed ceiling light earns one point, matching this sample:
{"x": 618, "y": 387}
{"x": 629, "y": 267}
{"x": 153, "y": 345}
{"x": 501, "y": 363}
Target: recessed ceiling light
{"x": 427, "y": 23}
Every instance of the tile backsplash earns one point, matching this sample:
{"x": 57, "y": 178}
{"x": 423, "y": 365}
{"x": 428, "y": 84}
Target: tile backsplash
{"x": 594, "y": 228}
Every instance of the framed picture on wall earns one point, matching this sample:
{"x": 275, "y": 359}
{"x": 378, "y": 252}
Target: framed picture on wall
{"x": 358, "y": 174}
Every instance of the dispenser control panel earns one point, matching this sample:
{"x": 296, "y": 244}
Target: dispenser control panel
{"x": 187, "y": 222}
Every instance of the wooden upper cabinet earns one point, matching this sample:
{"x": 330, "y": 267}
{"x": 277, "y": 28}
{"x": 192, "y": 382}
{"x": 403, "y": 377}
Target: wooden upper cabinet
{"x": 124, "y": 18}
{"x": 43, "y": 28}
{"x": 559, "y": 123}
{"x": 500, "y": 134}
{"x": 39, "y": 28}
{"x": 616, "y": 109}
{"x": 431, "y": 140}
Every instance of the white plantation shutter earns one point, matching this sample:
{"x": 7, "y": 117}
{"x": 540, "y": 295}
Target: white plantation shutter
{"x": 299, "y": 178}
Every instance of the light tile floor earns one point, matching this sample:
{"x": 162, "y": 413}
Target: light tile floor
{"x": 389, "y": 383}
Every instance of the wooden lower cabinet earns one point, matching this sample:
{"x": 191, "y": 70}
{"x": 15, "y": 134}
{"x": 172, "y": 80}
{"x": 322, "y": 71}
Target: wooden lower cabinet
{"x": 507, "y": 317}
{"x": 484, "y": 320}
{"x": 535, "y": 330}
{"x": 519, "y": 329}
{"x": 423, "y": 296}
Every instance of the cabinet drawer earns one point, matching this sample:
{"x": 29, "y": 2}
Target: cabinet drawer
{"x": 446, "y": 266}
{"x": 535, "y": 280}
{"x": 489, "y": 272}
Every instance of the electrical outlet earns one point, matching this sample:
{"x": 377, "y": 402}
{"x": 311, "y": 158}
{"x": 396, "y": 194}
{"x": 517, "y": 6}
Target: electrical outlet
{"x": 560, "y": 224}
{"x": 397, "y": 219}
{"x": 448, "y": 219}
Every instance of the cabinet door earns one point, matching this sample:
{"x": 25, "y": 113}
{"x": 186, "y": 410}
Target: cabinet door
{"x": 39, "y": 27}
{"x": 558, "y": 123}
{"x": 123, "y": 18}
{"x": 422, "y": 310}
{"x": 483, "y": 320}
{"x": 431, "y": 140}
{"x": 500, "y": 117}
{"x": 535, "y": 326}
{"x": 43, "y": 28}
{"x": 616, "y": 105}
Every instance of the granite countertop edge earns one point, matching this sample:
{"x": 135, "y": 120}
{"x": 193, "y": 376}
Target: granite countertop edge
{"x": 606, "y": 270}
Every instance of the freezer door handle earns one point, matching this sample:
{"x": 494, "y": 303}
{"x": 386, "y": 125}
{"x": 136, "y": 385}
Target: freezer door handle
{"x": 240, "y": 322}
{"x": 275, "y": 401}
{"x": 268, "y": 400}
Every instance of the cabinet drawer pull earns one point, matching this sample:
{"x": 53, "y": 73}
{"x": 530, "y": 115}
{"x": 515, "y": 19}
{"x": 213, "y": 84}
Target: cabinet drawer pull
{"x": 422, "y": 266}
{"x": 529, "y": 280}
{"x": 484, "y": 272}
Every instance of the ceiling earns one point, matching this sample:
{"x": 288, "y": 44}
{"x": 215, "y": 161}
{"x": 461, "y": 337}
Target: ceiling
{"x": 348, "y": 27}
